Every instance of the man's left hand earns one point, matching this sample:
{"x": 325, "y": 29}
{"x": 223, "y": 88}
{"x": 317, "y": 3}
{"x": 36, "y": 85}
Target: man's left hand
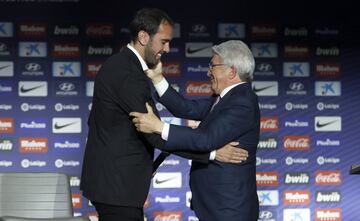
{"x": 231, "y": 153}
{"x": 147, "y": 122}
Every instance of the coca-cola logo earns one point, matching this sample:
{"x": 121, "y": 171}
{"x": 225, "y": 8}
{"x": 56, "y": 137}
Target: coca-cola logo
{"x": 269, "y": 124}
{"x": 167, "y": 216}
{"x": 297, "y": 142}
{"x": 198, "y": 89}
{"x": 333, "y": 214}
{"x": 172, "y": 69}
{"x": 328, "y": 178}
{"x": 100, "y": 30}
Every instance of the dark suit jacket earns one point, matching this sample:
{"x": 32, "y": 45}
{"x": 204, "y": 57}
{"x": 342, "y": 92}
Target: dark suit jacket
{"x": 117, "y": 165}
{"x": 220, "y": 191}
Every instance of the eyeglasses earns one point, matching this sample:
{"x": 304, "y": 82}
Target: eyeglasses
{"x": 211, "y": 65}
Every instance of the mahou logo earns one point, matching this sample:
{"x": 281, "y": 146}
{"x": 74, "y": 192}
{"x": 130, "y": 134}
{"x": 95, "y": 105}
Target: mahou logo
{"x": 297, "y": 142}
{"x": 64, "y": 50}
{"x": 32, "y": 30}
{"x": 296, "y": 197}
{"x": 33, "y": 145}
{"x": 263, "y": 31}
{"x": 99, "y": 30}
{"x": 172, "y": 69}
{"x": 76, "y": 200}
{"x": 6, "y": 125}
{"x": 167, "y": 216}
{"x": 296, "y": 51}
{"x": 327, "y": 70}
{"x": 333, "y": 214}
{"x": 197, "y": 88}
{"x": 328, "y": 177}
{"x": 267, "y": 178}
{"x": 269, "y": 124}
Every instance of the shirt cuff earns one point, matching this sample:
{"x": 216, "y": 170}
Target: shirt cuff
{"x": 212, "y": 155}
{"x": 161, "y": 87}
{"x": 165, "y": 132}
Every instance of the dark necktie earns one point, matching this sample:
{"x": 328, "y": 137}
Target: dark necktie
{"x": 217, "y": 99}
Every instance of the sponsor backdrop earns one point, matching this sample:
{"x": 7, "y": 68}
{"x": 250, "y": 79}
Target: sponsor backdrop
{"x": 305, "y": 77}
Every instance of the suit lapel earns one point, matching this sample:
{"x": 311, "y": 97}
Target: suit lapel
{"x": 234, "y": 91}
{"x": 135, "y": 61}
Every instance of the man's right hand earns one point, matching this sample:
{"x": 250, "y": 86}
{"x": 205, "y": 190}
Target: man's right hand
{"x": 155, "y": 74}
{"x": 230, "y": 153}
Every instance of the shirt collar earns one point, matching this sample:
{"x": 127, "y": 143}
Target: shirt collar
{"x": 142, "y": 62}
{"x": 226, "y": 90}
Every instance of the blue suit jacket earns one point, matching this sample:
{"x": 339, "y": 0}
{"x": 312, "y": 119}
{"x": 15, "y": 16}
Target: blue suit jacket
{"x": 220, "y": 191}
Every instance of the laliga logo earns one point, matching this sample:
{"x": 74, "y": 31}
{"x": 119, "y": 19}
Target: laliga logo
{"x": 289, "y": 160}
{"x": 258, "y": 161}
{"x": 59, "y": 163}
{"x": 288, "y": 106}
{"x": 24, "y": 107}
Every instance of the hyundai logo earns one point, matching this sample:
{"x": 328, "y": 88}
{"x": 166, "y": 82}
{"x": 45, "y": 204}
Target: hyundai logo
{"x": 296, "y": 86}
{"x": 265, "y": 214}
{"x": 199, "y": 28}
{"x": 264, "y": 67}
{"x": 32, "y": 67}
{"x": 3, "y": 47}
{"x": 67, "y": 86}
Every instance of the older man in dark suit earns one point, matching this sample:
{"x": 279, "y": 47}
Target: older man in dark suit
{"x": 220, "y": 191}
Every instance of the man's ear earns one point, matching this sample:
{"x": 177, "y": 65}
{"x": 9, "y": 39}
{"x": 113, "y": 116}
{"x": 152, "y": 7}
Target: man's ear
{"x": 232, "y": 73}
{"x": 143, "y": 37}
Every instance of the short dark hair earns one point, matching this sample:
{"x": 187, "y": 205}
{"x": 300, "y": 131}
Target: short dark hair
{"x": 148, "y": 19}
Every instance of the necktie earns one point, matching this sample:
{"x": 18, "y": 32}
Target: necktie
{"x": 217, "y": 99}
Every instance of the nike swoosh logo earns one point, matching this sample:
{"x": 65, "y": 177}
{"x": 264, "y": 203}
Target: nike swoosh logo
{"x": 57, "y": 127}
{"x": 24, "y": 90}
{"x": 262, "y": 88}
{"x": 318, "y": 124}
{"x": 157, "y": 181}
{"x": 3, "y": 67}
{"x": 194, "y": 50}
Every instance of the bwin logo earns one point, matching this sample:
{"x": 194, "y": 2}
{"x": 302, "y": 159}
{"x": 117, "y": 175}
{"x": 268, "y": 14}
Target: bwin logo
{"x": 33, "y": 67}
{"x": 199, "y": 28}
{"x": 67, "y": 86}
{"x": 264, "y": 67}
{"x": 296, "y": 86}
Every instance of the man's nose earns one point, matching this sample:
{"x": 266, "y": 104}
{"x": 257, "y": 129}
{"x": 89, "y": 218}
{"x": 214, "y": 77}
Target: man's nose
{"x": 167, "y": 48}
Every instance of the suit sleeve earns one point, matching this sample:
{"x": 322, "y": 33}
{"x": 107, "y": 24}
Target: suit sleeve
{"x": 229, "y": 124}
{"x": 185, "y": 108}
{"x": 134, "y": 93}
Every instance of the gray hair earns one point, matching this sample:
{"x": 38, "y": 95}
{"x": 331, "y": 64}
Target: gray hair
{"x": 236, "y": 53}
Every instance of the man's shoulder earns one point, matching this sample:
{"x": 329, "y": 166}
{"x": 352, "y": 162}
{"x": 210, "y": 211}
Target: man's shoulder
{"x": 119, "y": 57}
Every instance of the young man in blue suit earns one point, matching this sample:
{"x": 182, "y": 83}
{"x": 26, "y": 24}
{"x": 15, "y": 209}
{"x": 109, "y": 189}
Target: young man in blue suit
{"x": 220, "y": 191}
